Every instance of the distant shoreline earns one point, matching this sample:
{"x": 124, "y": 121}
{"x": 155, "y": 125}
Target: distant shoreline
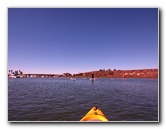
{"x": 102, "y": 73}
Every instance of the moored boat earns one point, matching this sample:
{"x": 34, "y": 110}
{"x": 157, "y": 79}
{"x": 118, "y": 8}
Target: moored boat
{"x": 73, "y": 79}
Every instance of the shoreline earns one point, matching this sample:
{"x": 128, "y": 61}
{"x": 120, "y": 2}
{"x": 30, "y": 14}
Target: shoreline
{"x": 102, "y": 73}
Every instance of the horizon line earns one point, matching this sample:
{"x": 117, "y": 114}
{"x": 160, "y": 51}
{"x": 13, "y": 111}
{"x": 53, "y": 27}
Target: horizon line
{"x": 89, "y": 71}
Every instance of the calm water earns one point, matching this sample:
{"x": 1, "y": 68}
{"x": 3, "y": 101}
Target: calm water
{"x": 62, "y": 99}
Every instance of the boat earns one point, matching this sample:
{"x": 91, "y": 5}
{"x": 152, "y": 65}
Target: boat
{"x": 85, "y": 78}
{"x": 95, "y": 114}
{"x": 73, "y": 79}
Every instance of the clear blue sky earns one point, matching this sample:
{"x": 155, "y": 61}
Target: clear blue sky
{"x": 58, "y": 40}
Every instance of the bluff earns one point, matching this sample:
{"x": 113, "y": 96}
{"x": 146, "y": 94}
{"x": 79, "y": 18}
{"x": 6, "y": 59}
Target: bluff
{"x": 102, "y": 73}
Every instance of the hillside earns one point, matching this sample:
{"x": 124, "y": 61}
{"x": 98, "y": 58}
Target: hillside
{"x": 141, "y": 73}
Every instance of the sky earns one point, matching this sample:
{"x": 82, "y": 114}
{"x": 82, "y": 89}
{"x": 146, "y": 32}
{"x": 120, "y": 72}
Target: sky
{"x": 74, "y": 40}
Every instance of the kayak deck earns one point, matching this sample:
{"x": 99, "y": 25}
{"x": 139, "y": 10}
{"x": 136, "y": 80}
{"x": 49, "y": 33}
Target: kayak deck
{"x": 95, "y": 114}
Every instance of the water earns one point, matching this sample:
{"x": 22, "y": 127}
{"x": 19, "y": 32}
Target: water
{"x": 62, "y": 99}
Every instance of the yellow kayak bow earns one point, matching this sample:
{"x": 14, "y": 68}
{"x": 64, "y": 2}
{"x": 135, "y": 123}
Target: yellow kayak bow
{"x": 95, "y": 114}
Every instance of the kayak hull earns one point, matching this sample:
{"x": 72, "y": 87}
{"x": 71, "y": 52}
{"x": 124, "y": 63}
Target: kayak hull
{"x": 95, "y": 114}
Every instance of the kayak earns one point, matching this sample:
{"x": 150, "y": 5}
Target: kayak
{"x": 95, "y": 114}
